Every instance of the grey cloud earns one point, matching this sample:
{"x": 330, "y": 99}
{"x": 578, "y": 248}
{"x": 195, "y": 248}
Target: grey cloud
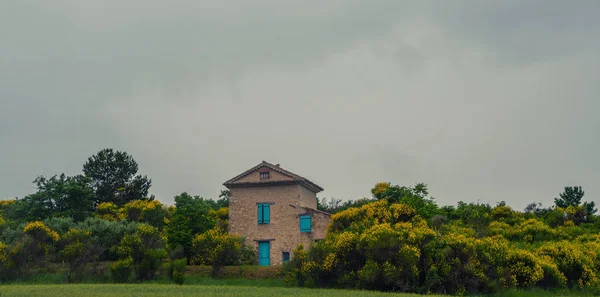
{"x": 481, "y": 100}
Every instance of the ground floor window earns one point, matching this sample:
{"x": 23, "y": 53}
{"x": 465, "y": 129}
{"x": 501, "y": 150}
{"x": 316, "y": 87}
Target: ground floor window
{"x": 285, "y": 257}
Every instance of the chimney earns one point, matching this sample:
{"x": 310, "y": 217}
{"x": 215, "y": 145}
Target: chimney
{"x": 277, "y": 165}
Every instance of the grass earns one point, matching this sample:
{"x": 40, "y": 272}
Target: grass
{"x": 199, "y": 286}
{"x": 244, "y": 281}
{"x": 540, "y": 293}
{"x": 140, "y": 290}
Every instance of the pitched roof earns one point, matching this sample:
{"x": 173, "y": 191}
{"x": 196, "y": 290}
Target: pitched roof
{"x": 295, "y": 178}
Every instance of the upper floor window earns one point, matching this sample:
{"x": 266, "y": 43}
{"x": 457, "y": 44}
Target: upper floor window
{"x": 264, "y": 175}
{"x": 305, "y": 224}
{"x": 264, "y": 213}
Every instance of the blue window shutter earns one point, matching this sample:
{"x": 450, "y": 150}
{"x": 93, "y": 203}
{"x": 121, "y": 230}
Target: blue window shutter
{"x": 266, "y": 213}
{"x": 260, "y": 213}
{"x": 304, "y": 223}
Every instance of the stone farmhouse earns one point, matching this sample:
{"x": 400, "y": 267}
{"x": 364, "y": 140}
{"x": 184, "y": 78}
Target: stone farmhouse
{"x": 275, "y": 210}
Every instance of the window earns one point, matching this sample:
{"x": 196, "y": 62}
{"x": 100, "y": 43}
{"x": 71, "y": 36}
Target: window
{"x": 305, "y": 223}
{"x": 285, "y": 257}
{"x": 264, "y": 175}
{"x": 264, "y": 213}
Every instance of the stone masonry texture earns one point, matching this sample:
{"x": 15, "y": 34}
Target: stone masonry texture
{"x": 287, "y": 203}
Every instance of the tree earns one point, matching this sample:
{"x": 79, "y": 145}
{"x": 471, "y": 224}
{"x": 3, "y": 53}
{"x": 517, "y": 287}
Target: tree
{"x": 57, "y": 196}
{"x": 223, "y": 200}
{"x": 217, "y": 248}
{"x": 335, "y": 205}
{"x": 191, "y": 216}
{"x": 113, "y": 177}
{"x": 69, "y": 196}
{"x": 416, "y": 197}
{"x": 143, "y": 250}
{"x": 572, "y": 197}
{"x": 77, "y": 251}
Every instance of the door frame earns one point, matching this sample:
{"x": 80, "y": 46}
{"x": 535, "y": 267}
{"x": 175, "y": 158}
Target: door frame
{"x": 268, "y": 244}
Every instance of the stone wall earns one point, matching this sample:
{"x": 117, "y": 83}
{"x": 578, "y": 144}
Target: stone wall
{"x": 255, "y": 177}
{"x": 288, "y": 202}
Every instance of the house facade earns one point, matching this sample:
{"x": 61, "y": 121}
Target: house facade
{"x": 275, "y": 210}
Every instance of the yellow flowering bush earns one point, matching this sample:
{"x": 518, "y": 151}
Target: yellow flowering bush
{"x": 151, "y": 212}
{"x": 493, "y": 250}
{"x": 108, "y": 211}
{"x": 344, "y": 243}
{"x": 40, "y": 232}
{"x": 379, "y": 189}
{"x": 145, "y": 248}
{"x": 506, "y": 214}
{"x": 4, "y": 255}
{"x": 575, "y": 261}
{"x": 221, "y": 216}
{"x": 360, "y": 218}
{"x": 329, "y": 262}
{"x": 402, "y": 212}
{"x": 76, "y": 250}
{"x": 217, "y": 248}
{"x": 524, "y": 268}
{"x": 500, "y": 228}
{"x": 5, "y": 203}
{"x": 534, "y": 230}
{"x": 6, "y": 263}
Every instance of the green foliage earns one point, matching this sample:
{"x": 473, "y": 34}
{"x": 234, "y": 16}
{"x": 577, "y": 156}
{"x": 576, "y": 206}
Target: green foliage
{"x": 217, "y": 249}
{"x": 6, "y": 263}
{"x": 177, "y": 269}
{"x": 474, "y": 249}
{"x": 192, "y": 215}
{"x": 108, "y": 211}
{"x": 572, "y": 197}
{"x": 113, "y": 177}
{"x": 60, "y": 225}
{"x": 120, "y": 271}
{"x": 107, "y": 234}
{"x": 333, "y": 205}
{"x": 57, "y": 196}
{"x": 143, "y": 211}
{"x": 77, "y": 251}
{"x": 145, "y": 249}
{"x": 416, "y": 197}
{"x": 474, "y": 215}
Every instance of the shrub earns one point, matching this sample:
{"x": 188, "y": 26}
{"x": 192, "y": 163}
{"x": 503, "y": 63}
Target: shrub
{"x": 60, "y": 225}
{"x": 145, "y": 249}
{"x": 575, "y": 262}
{"x": 150, "y": 212}
{"x": 77, "y": 251}
{"x": 178, "y": 270}
{"x": 40, "y": 232}
{"x": 534, "y": 230}
{"x": 524, "y": 268}
{"x": 108, "y": 211}
{"x": 506, "y": 214}
{"x": 120, "y": 271}
{"x": 6, "y": 263}
{"x": 43, "y": 239}
{"x": 107, "y": 234}
{"x": 216, "y": 248}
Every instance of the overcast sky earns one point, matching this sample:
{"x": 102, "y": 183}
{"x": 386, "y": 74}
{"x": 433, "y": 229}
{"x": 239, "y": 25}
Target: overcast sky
{"x": 481, "y": 100}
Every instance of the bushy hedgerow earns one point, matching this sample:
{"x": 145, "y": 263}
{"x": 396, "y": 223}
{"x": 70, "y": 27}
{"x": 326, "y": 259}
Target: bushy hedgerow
{"x": 389, "y": 247}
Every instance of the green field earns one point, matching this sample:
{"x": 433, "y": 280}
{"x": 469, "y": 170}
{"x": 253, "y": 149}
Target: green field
{"x": 126, "y": 290}
{"x": 117, "y": 290}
